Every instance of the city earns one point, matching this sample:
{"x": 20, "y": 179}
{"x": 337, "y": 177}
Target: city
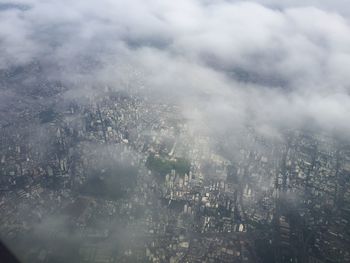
{"x": 118, "y": 179}
{"x": 187, "y": 131}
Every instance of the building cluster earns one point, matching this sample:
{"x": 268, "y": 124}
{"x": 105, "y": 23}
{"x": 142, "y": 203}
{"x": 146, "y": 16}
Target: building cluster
{"x": 78, "y": 186}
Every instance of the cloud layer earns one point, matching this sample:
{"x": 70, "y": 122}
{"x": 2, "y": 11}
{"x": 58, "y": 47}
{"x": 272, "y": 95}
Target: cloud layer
{"x": 228, "y": 63}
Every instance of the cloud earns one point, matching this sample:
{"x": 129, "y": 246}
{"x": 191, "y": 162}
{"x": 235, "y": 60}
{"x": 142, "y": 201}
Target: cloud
{"x": 260, "y": 63}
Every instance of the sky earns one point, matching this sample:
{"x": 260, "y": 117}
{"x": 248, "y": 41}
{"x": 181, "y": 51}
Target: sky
{"x": 268, "y": 64}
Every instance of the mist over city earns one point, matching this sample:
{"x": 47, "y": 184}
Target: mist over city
{"x": 175, "y": 131}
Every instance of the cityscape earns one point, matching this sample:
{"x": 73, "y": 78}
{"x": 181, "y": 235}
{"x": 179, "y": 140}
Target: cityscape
{"x": 162, "y": 132}
{"x": 120, "y": 161}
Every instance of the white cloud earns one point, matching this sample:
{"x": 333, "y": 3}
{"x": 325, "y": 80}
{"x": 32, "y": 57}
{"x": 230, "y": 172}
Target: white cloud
{"x": 265, "y": 63}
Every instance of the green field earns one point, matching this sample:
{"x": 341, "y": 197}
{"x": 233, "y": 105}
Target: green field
{"x": 163, "y": 166}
